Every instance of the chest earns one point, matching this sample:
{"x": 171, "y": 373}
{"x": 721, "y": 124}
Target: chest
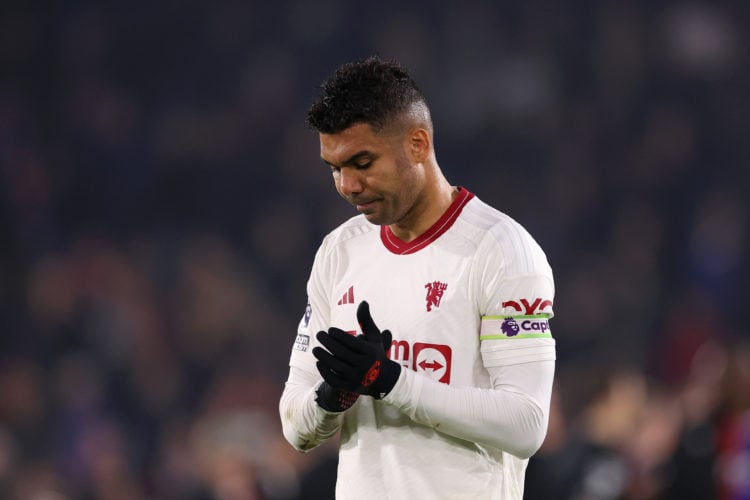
{"x": 427, "y": 301}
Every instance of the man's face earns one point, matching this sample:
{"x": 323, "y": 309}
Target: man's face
{"x": 374, "y": 173}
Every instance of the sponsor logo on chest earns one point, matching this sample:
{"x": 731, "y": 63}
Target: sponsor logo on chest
{"x": 434, "y": 360}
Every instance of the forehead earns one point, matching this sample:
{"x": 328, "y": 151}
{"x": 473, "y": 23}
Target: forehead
{"x": 336, "y": 148}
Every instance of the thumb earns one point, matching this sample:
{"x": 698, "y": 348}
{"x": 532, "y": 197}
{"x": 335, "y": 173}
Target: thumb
{"x": 365, "y": 321}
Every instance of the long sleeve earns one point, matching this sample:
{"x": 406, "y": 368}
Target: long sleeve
{"x": 511, "y": 416}
{"x": 305, "y": 424}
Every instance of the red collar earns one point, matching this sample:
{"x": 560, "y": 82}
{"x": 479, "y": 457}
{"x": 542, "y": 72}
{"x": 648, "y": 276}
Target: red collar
{"x": 400, "y": 247}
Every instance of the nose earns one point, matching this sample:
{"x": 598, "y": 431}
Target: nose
{"x": 350, "y": 182}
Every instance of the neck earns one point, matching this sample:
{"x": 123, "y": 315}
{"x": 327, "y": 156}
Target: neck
{"x": 429, "y": 209}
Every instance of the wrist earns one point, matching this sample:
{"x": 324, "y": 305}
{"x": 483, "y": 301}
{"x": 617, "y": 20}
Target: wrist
{"x": 389, "y": 375}
{"x": 407, "y": 391}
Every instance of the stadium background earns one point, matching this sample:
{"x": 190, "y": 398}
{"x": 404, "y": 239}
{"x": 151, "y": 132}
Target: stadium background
{"x": 161, "y": 200}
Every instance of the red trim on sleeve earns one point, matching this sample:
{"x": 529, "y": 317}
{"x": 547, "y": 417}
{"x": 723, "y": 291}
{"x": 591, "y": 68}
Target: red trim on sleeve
{"x": 400, "y": 247}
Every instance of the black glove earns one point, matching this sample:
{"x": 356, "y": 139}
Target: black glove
{"x": 358, "y": 364}
{"x": 338, "y": 400}
{"x": 334, "y": 400}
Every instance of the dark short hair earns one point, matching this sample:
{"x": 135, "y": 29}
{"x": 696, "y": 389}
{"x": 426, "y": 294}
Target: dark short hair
{"x": 371, "y": 91}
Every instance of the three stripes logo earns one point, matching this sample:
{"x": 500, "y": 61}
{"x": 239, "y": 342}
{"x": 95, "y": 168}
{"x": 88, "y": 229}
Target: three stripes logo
{"x": 348, "y": 297}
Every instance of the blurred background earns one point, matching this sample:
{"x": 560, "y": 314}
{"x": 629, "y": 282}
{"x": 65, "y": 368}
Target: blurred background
{"x": 161, "y": 201}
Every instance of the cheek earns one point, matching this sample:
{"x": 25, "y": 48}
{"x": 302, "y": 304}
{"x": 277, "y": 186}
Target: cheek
{"x": 336, "y": 182}
{"x": 408, "y": 186}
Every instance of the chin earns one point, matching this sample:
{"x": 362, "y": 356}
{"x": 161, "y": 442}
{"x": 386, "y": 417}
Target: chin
{"x": 375, "y": 219}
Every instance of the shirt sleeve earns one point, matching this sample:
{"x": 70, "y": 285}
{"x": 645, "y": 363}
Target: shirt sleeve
{"x": 511, "y": 416}
{"x": 516, "y": 290}
{"x": 305, "y": 424}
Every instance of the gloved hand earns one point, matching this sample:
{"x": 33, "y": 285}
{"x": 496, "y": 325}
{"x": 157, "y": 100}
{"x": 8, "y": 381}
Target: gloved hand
{"x": 334, "y": 400}
{"x": 358, "y": 364}
{"x": 338, "y": 400}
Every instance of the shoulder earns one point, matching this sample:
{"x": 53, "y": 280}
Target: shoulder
{"x": 500, "y": 236}
{"x": 349, "y": 231}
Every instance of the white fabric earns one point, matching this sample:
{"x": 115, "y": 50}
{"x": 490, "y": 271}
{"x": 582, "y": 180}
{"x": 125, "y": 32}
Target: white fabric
{"x": 466, "y": 413}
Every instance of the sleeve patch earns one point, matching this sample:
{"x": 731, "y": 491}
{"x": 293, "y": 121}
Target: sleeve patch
{"x": 305, "y": 321}
{"x": 302, "y": 342}
{"x": 515, "y": 327}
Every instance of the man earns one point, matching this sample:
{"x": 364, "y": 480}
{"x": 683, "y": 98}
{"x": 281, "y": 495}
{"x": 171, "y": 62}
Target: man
{"x": 452, "y": 399}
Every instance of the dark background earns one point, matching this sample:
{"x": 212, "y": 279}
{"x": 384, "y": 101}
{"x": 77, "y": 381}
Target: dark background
{"x": 161, "y": 200}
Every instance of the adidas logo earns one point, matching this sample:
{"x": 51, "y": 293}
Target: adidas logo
{"x": 348, "y": 297}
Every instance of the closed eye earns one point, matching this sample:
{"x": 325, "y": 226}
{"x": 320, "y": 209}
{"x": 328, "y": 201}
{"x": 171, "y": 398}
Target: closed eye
{"x": 360, "y": 161}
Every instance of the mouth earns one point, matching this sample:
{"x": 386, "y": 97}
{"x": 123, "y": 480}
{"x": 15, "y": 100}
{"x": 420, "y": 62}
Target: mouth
{"x": 364, "y": 206}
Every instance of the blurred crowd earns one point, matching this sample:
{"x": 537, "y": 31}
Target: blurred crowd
{"x": 161, "y": 200}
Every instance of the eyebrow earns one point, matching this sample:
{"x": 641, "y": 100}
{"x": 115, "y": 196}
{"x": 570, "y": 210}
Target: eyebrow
{"x": 352, "y": 160}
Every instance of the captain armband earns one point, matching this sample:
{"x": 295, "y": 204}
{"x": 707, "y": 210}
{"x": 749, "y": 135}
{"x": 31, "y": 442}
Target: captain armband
{"x": 511, "y": 340}
{"x": 534, "y": 326}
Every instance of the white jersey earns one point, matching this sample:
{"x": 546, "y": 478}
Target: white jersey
{"x": 466, "y": 302}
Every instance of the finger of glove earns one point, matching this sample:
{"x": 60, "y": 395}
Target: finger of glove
{"x": 334, "y": 345}
{"x": 366, "y": 322}
{"x": 339, "y": 365}
{"x": 387, "y": 340}
{"x": 333, "y": 378}
{"x": 338, "y": 340}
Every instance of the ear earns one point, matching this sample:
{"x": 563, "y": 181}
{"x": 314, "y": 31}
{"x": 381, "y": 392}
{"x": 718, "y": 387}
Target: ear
{"x": 419, "y": 144}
